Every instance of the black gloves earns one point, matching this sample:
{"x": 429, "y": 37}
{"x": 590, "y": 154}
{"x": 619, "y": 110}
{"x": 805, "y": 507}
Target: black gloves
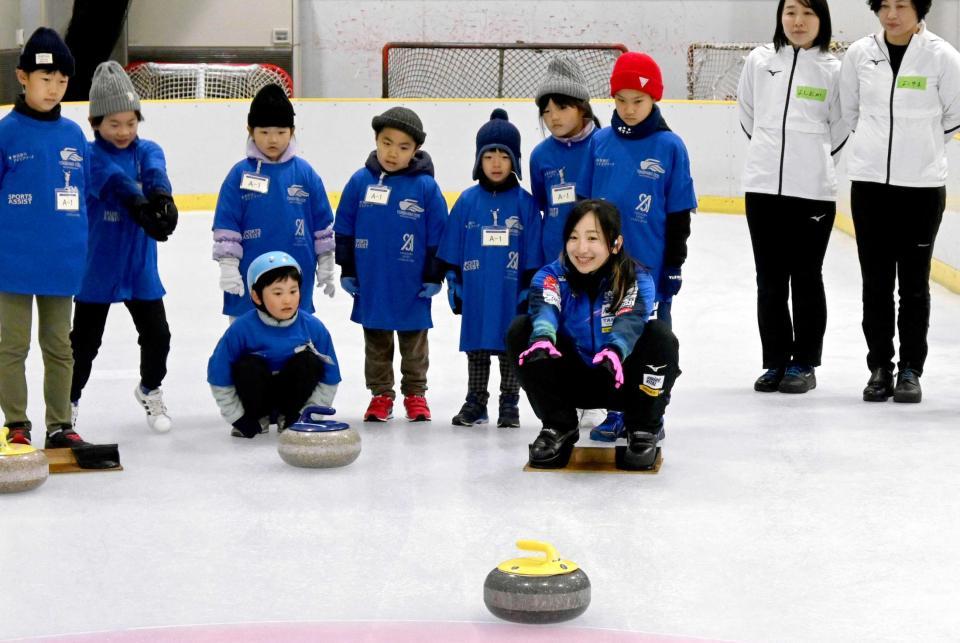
{"x": 157, "y": 215}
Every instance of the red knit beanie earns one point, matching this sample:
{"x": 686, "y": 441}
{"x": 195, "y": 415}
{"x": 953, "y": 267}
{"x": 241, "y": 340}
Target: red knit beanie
{"x": 634, "y": 70}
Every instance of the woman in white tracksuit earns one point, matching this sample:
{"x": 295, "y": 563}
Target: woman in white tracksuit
{"x": 900, "y": 92}
{"x": 789, "y": 105}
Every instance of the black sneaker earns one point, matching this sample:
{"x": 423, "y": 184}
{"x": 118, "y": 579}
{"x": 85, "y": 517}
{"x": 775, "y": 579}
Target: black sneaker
{"x": 63, "y": 437}
{"x": 798, "y": 379}
{"x": 879, "y": 386}
{"x": 19, "y": 433}
{"x": 472, "y": 412}
{"x": 769, "y": 381}
{"x": 908, "y": 387}
{"x": 552, "y": 448}
{"x": 509, "y": 415}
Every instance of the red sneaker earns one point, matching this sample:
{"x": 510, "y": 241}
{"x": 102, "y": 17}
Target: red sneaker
{"x": 417, "y": 409}
{"x": 380, "y": 409}
{"x": 19, "y": 434}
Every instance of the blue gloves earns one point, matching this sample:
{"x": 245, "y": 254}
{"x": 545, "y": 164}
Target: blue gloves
{"x": 670, "y": 282}
{"x": 429, "y": 290}
{"x": 454, "y": 293}
{"x": 350, "y": 285}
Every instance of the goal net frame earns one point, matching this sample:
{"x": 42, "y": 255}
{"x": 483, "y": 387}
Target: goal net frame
{"x": 170, "y": 81}
{"x": 510, "y": 70}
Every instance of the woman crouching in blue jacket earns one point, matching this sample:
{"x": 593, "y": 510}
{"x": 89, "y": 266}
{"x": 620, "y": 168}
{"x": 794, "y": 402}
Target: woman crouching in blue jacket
{"x": 588, "y": 342}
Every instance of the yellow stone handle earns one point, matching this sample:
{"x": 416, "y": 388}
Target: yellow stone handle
{"x": 3, "y": 438}
{"x": 539, "y": 545}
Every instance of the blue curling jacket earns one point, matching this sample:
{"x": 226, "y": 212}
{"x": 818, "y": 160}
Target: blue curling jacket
{"x": 646, "y": 178}
{"x": 491, "y": 274}
{"x": 555, "y": 309}
{"x": 42, "y": 249}
{"x": 288, "y": 217}
{"x": 391, "y": 248}
{"x": 249, "y": 335}
{"x": 122, "y": 258}
{"x": 550, "y": 160}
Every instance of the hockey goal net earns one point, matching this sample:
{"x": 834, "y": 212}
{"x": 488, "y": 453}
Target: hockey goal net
{"x": 165, "y": 81}
{"x": 487, "y": 70}
{"x": 713, "y": 68}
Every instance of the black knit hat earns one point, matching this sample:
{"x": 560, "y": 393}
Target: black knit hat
{"x": 498, "y": 134}
{"x": 270, "y": 108}
{"x": 46, "y": 50}
{"x": 403, "y": 119}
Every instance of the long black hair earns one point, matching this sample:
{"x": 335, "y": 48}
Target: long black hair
{"x": 623, "y": 272}
{"x": 826, "y": 27}
{"x": 920, "y": 6}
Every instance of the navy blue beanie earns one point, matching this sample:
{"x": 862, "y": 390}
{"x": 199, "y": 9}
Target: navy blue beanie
{"x": 46, "y": 50}
{"x": 498, "y": 134}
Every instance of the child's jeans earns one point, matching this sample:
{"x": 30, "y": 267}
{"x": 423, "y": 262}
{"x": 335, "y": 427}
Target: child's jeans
{"x": 414, "y": 361}
{"x": 53, "y": 330}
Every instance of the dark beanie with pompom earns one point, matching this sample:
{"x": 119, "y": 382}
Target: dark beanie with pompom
{"x": 498, "y": 134}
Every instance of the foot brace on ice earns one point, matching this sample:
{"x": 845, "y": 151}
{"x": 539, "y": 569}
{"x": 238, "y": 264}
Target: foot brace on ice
{"x": 84, "y": 457}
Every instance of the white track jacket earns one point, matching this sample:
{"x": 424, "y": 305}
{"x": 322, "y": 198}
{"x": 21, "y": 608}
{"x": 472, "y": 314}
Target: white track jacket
{"x": 901, "y": 125}
{"x": 789, "y": 106}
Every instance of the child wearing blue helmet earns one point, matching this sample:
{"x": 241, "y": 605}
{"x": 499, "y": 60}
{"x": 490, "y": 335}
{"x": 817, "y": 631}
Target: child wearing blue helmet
{"x": 276, "y": 359}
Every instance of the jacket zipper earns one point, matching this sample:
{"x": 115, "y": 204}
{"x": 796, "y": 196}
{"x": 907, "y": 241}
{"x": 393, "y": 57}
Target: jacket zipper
{"x": 893, "y": 86}
{"x": 786, "y": 106}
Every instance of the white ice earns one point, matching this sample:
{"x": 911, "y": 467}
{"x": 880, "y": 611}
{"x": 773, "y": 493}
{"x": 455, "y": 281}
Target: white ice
{"x": 792, "y": 518}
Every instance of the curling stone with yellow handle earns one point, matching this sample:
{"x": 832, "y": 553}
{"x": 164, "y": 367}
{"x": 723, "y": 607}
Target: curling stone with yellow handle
{"x": 537, "y": 590}
{"x": 316, "y": 443}
{"x": 22, "y": 467}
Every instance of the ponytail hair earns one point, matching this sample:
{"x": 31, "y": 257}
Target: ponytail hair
{"x": 622, "y": 267}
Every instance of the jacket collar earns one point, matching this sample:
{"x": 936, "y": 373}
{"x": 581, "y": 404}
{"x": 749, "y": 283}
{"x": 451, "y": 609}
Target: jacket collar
{"x": 254, "y": 152}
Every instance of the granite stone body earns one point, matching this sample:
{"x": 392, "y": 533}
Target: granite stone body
{"x": 536, "y": 599}
{"x": 23, "y": 472}
{"x": 319, "y": 449}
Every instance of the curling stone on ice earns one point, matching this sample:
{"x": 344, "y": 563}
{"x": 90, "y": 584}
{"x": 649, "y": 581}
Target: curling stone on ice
{"x": 537, "y": 590}
{"x": 313, "y": 442}
{"x": 22, "y": 467}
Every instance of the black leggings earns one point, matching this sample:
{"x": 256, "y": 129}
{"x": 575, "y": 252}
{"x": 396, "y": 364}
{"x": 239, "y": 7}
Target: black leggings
{"x": 153, "y": 335}
{"x": 557, "y": 387}
{"x": 263, "y": 393}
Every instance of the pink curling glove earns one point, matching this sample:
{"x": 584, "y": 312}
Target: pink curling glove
{"x": 609, "y": 360}
{"x": 540, "y": 349}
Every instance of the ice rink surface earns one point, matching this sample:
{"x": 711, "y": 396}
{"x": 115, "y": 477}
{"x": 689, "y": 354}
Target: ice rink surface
{"x": 815, "y": 517}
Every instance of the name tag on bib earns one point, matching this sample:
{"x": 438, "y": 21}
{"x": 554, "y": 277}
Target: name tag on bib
{"x": 563, "y": 193}
{"x": 495, "y": 236}
{"x": 255, "y": 182}
{"x": 377, "y": 195}
{"x": 68, "y": 200}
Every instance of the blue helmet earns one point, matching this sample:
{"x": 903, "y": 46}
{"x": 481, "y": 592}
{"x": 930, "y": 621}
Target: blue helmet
{"x": 269, "y": 261}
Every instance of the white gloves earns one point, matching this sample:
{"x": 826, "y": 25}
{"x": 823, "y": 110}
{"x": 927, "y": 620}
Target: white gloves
{"x": 230, "y": 279}
{"x": 325, "y": 267}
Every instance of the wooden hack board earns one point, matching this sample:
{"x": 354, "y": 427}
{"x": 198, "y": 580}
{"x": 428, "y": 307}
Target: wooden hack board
{"x": 62, "y": 461}
{"x": 596, "y": 460}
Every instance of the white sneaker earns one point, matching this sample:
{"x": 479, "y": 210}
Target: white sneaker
{"x": 591, "y": 418}
{"x": 74, "y": 412}
{"x": 152, "y": 402}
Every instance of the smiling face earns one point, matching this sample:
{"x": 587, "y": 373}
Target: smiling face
{"x": 395, "y": 149}
{"x": 281, "y": 298}
{"x": 899, "y": 20}
{"x": 496, "y": 165}
{"x": 563, "y": 121}
{"x": 800, "y": 23}
{"x": 272, "y": 141}
{"x": 587, "y": 249}
{"x": 633, "y": 106}
{"x": 119, "y": 129}
{"x": 42, "y": 90}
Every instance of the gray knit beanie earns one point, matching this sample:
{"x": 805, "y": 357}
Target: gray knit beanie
{"x": 111, "y": 91}
{"x": 403, "y": 119}
{"x": 564, "y": 77}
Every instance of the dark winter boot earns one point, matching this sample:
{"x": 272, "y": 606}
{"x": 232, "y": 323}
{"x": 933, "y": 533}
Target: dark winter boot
{"x": 641, "y": 451}
{"x": 798, "y": 379}
{"x": 908, "y": 387}
{"x": 552, "y": 448}
{"x": 769, "y": 382}
{"x": 879, "y": 386}
{"x": 509, "y": 411}
{"x": 472, "y": 412}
